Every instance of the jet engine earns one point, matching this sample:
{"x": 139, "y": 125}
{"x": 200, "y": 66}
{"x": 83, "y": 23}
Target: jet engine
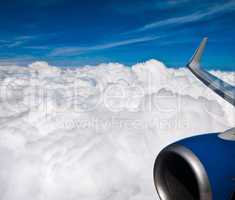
{"x": 197, "y": 168}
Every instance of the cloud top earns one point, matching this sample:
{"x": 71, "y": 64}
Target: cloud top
{"x": 94, "y": 132}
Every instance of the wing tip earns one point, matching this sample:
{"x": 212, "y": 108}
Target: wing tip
{"x": 196, "y": 58}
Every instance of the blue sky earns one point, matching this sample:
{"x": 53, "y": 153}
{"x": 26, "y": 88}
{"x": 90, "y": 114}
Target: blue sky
{"x": 74, "y": 33}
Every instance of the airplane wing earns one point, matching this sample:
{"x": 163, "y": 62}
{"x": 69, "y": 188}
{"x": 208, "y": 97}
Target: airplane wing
{"x": 219, "y": 86}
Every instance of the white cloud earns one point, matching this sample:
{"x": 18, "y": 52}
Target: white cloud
{"x": 93, "y": 132}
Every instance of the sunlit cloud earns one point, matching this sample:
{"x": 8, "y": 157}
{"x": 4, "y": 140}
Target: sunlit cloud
{"x": 93, "y": 133}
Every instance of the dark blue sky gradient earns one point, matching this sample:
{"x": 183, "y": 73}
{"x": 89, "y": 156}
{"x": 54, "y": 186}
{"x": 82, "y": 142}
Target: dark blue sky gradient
{"x": 75, "y": 33}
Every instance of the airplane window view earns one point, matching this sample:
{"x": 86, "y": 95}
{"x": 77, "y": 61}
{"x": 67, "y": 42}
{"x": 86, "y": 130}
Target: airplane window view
{"x": 117, "y": 100}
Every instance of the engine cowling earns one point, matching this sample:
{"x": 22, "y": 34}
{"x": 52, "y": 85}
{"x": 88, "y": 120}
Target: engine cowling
{"x": 197, "y": 168}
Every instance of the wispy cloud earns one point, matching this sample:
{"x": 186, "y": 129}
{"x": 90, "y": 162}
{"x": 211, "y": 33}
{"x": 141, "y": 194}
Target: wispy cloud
{"x": 16, "y": 41}
{"x": 22, "y": 40}
{"x": 26, "y": 37}
{"x": 3, "y": 41}
{"x": 175, "y": 2}
{"x": 128, "y": 7}
{"x": 39, "y": 47}
{"x": 197, "y": 16}
{"x": 71, "y": 51}
{"x": 14, "y": 44}
{"x": 40, "y": 3}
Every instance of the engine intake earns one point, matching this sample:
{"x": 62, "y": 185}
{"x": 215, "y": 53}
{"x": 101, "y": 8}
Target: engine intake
{"x": 179, "y": 175}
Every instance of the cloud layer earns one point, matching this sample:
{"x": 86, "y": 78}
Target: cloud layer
{"x": 94, "y": 132}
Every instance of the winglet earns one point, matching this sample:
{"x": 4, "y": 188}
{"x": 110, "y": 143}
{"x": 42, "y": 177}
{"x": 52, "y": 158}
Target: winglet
{"x": 225, "y": 90}
{"x": 195, "y": 60}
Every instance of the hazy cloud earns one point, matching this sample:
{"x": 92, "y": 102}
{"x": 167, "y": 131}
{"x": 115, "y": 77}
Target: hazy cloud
{"x": 17, "y": 60}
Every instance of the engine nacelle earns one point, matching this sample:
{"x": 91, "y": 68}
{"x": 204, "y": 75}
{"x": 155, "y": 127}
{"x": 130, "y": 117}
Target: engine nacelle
{"x": 197, "y": 168}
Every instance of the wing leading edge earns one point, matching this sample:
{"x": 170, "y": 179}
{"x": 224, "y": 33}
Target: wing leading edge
{"x": 219, "y": 86}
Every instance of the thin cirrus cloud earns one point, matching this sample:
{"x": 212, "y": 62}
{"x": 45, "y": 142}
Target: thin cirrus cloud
{"x": 197, "y": 16}
{"x": 145, "y": 6}
{"x": 72, "y": 51}
{"x": 19, "y": 41}
{"x": 16, "y": 41}
{"x": 39, "y": 47}
{"x": 11, "y": 44}
{"x": 15, "y": 44}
